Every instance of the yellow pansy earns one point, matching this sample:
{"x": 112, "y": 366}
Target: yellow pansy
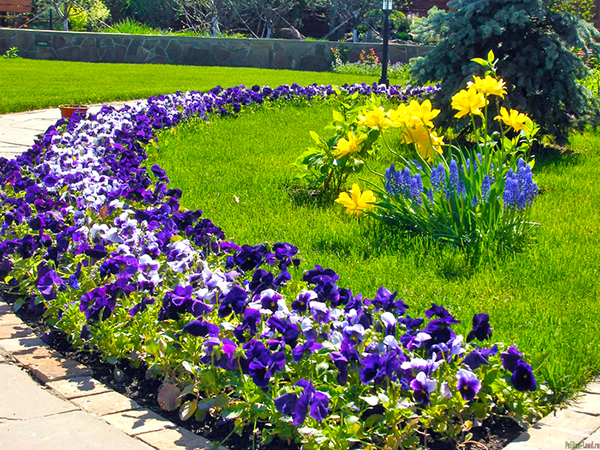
{"x": 374, "y": 118}
{"x": 513, "y": 118}
{"x": 468, "y": 101}
{"x": 347, "y": 146}
{"x": 357, "y": 201}
{"x": 489, "y": 85}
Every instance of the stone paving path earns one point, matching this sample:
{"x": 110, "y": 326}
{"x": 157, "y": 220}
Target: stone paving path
{"x": 68, "y": 409}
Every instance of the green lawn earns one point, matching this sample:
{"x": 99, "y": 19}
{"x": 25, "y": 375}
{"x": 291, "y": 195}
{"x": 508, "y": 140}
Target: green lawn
{"x": 546, "y": 299}
{"x": 33, "y": 84}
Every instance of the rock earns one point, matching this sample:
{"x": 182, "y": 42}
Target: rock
{"x": 290, "y": 33}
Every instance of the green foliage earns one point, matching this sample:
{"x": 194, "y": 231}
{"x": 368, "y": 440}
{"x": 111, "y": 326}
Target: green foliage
{"x": 327, "y": 166}
{"x": 11, "y": 53}
{"x": 534, "y": 46}
{"x": 584, "y": 9}
{"x": 155, "y": 13}
{"x": 368, "y": 64}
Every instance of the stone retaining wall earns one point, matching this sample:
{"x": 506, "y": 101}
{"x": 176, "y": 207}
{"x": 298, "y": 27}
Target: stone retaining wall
{"x": 227, "y": 52}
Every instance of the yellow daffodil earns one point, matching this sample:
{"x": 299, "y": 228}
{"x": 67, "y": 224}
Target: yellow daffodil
{"x": 513, "y": 118}
{"x": 428, "y": 147}
{"x": 357, "y": 202}
{"x": 423, "y": 112}
{"x": 468, "y": 101}
{"x": 347, "y": 146}
{"x": 489, "y": 85}
{"x": 374, "y": 118}
{"x": 426, "y": 141}
{"x": 413, "y": 115}
{"x": 400, "y": 117}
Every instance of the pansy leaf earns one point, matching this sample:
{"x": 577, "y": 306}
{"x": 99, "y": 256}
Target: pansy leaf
{"x": 188, "y": 409}
{"x": 188, "y": 367}
{"x": 189, "y": 389}
{"x": 371, "y": 400}
{"x": 221, "y": 401}
{"x": 372, "y": 420}
{"x": 168, "y": 397}
{"x": 206, "y": 404}
{"x": 200, "y": 414}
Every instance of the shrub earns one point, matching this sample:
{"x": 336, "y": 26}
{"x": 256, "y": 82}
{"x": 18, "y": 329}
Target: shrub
{"x": 534, "y": 46}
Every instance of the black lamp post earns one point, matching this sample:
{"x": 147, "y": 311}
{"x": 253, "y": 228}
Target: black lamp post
{"x": 388, "y": 7}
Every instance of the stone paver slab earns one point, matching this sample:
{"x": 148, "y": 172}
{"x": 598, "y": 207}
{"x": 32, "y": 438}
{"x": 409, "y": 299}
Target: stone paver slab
{"x": 593, "y": 387}
{"x": 21, "y": 398}
{"x": 58, "y": 368}
{"x": 593, "y": 441}
{"x": 569, "y": 421}
{"x": 16, "y": 136}
{"x": 15, "y": 331}
{"x": 543, "y": 437}
{"x": 176, "y": 439}
{"x": 138, "y": 421}
{"x": 78, "y": 387}
{"x": 22, "y": 345}
{"x": 70, "y": 431}
{"x": 588, "y": 404}
{"x": 7, "y": 317}
{"x": 106, "y": 403}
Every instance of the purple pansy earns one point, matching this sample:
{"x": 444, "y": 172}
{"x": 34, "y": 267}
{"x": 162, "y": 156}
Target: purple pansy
{"x": 298, "y": 407}
{"x": 422, "y": 388}
{"x": 468, "y": 385}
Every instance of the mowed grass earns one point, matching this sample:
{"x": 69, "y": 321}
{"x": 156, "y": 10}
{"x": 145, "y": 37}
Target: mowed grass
{"x": 34, "y": 84}
{"x": 545, "y": 299}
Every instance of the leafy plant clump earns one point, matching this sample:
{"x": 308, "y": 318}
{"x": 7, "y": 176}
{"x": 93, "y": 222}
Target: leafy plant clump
{"x": 367, "y": 64}
{"x": 101, "y": 245}
{"x": 533, "y": 44}
{"x": 476, "y": 197}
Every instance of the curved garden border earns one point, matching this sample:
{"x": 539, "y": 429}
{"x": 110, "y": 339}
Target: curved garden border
{"x": 81, "y": 172}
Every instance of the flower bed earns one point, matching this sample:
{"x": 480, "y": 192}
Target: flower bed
{"x": 104, "y": 248}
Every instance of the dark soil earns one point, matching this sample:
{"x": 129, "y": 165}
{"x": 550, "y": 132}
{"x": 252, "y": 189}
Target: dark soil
{"x": 494, "y": 434}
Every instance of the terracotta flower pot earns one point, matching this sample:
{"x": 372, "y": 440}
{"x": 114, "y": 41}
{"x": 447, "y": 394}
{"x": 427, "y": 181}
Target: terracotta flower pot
{"x": 67, "y": 111}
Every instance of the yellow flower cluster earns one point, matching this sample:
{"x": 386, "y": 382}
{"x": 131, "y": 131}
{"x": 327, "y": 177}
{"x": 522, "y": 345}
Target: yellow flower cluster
{"x": 357, "y": 201}
{"x": 475, "y": 97}
{"x": 415, "y": 120}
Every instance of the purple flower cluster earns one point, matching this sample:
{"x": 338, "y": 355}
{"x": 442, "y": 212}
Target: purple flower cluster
{"x": 520, "y": 190}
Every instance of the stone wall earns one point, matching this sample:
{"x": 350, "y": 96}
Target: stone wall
{"x": 227, "y": 52}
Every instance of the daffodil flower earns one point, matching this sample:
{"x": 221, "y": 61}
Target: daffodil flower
{"x": 347, "y": 146}
{"x": 374, "y": 118}
{"x": 489, "y": 85}
{"x": 469, "y": 101}
{"x": 513, "y": 118}
{"x": 423, "y": 112}
{"x": 357, "y": 201}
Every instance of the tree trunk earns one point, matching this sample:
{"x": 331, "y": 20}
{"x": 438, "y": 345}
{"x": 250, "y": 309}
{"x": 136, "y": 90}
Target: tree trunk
{"x": 66, "y": 18}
